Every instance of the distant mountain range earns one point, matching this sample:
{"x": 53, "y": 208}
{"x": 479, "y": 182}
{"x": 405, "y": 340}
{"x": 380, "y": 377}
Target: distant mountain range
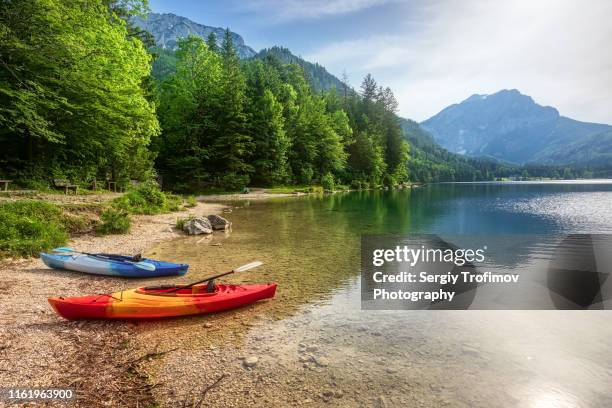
{"x": 167, "y": 28}
{"x": 506, "y": 126}
{"x": 510, "y": 126}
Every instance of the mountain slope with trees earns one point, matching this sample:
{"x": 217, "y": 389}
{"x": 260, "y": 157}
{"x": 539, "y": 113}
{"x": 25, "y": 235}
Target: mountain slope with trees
{"x": 510, "y": 126}
{"x": 228, "y": 123}
{"x": 167, "y": 28}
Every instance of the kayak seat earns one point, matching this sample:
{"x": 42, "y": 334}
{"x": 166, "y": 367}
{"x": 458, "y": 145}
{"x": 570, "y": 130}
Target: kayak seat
{"x": 209, "y": 288}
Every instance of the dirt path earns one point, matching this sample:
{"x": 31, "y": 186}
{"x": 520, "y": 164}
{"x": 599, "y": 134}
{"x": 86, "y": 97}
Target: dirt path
{"x": 99, "y": 360}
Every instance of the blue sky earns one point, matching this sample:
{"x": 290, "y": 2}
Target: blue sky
{"x": 437, "y": 52}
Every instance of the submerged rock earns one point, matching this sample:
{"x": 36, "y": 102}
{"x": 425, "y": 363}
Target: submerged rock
{"x": 218, "y": 222}
{"x": 250, "y": 361}
{"x": 197, "y": 226}
{"x": 320, "y": 361}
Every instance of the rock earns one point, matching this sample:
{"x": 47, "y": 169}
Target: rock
{"x": 381, "y": 402}
{"x": 208, "y": 325}
{"x": 197, "y": 226}
{"x": 218, "y": 222}
{"x": 250, "y": 361}
{"x": 327, "y": 395}
{"x": 390, "y": 370}
{"x": 321, "y": 361}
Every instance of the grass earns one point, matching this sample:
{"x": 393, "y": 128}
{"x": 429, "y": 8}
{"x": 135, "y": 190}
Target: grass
{"x": 145, "y": 199}
{"x": 294, "y": 189}
{"x": 28, "y": 227}
{"x": 114, "y": 221}
{"x": 180, "y": 222}
{"x": 190, "y": 202}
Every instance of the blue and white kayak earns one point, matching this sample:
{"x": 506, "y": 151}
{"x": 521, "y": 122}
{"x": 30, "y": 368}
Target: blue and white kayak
{"x": 113, "y": 265}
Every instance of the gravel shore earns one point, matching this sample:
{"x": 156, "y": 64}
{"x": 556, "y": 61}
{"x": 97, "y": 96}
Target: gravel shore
{"x": 99, "y": 360}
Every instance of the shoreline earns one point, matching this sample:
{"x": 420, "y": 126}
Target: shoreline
{"x": 101, "y": 360}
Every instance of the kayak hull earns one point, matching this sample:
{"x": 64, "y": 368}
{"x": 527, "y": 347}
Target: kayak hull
{"x": 144, "y": 303}
{"x": 117, "y": 266}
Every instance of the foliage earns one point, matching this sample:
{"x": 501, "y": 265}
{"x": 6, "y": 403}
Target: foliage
{"x": 227, "y": 124}
{"x": 190, "y": 202}
{"x": 327, "y": 182}
{"x": 180, "y": 222}
{"x": 114, "y": 221}
{"x": 73, "y": 92}
{"x": 147, "y": 199}
{"x": 29, "y": 226}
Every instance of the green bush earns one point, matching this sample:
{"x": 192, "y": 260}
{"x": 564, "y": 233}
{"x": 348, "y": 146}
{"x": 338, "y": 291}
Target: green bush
{"x": 147, "y": 199}
{"x": 114, "y": 221}
{"x": 356, "y": 185}
{"x": 327, "y": 182}
{"x": 173, "y": 202}
{"x": 234, "y": 182}
{"x": 315, "y": 189}
{"x": 190, "y": 202}
{"x": 30, "y": 226}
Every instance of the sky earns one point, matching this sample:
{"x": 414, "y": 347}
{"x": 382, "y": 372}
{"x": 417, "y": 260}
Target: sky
{"x": 433, "y": 53}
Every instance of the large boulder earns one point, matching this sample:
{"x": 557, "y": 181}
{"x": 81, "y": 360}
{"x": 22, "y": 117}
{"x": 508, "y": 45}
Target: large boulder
{"x": 218, "y": 222}
{"x": 197, "y": 226}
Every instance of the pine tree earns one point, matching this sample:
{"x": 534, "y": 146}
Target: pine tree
{"x": 211, "y": 41}
{"x": 233, "y": 144}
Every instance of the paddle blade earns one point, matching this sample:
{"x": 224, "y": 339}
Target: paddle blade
{"x": 248, "y": 266}
{"x": 63, "y": 249}
{"x": 145, "y": 265}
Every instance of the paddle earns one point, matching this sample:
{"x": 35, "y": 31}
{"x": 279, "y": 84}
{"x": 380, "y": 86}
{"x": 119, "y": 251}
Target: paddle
{"x": 239, "y": 269}
{"x": 142, "y": 265}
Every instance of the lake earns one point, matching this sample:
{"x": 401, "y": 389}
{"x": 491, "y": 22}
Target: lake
{"x": 317, "y": 344}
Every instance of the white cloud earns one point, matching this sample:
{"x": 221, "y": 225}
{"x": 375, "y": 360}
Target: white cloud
{"x": 288, "y": 10}
{"x": 557, "y": 51}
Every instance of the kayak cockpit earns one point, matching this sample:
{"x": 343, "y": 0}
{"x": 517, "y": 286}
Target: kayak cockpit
{"x": 177, "y": 290}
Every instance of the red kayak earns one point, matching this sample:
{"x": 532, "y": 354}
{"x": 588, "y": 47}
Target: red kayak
{"x": 161, "y": 301}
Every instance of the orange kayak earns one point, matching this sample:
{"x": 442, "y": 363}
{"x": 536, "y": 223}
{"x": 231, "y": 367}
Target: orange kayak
{"x": 154, "y": 302}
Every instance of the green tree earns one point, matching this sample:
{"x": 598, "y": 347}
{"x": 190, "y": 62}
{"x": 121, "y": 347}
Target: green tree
{"x": 211, "y": 41}
{"x": 73, "y": 91}
{"x": 189, "y": 107}
{"x": 233, "y": 144}
{"x": 271, "y": 143}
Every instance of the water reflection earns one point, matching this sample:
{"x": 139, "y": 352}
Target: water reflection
{"x": 466, "y": 359}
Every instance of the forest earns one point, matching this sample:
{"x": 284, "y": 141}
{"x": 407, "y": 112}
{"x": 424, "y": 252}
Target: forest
{"x": 79, "y": 101}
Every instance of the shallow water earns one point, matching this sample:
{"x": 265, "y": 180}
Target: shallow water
{"x": 310, "y": 246}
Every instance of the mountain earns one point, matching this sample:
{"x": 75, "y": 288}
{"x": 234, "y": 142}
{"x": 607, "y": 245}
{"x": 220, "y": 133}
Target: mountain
{"x": 510, "y": 126}
{"x": 320, "y": 79}
{"x": 431, "y": 163}
{"x": 167, "y": 28}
